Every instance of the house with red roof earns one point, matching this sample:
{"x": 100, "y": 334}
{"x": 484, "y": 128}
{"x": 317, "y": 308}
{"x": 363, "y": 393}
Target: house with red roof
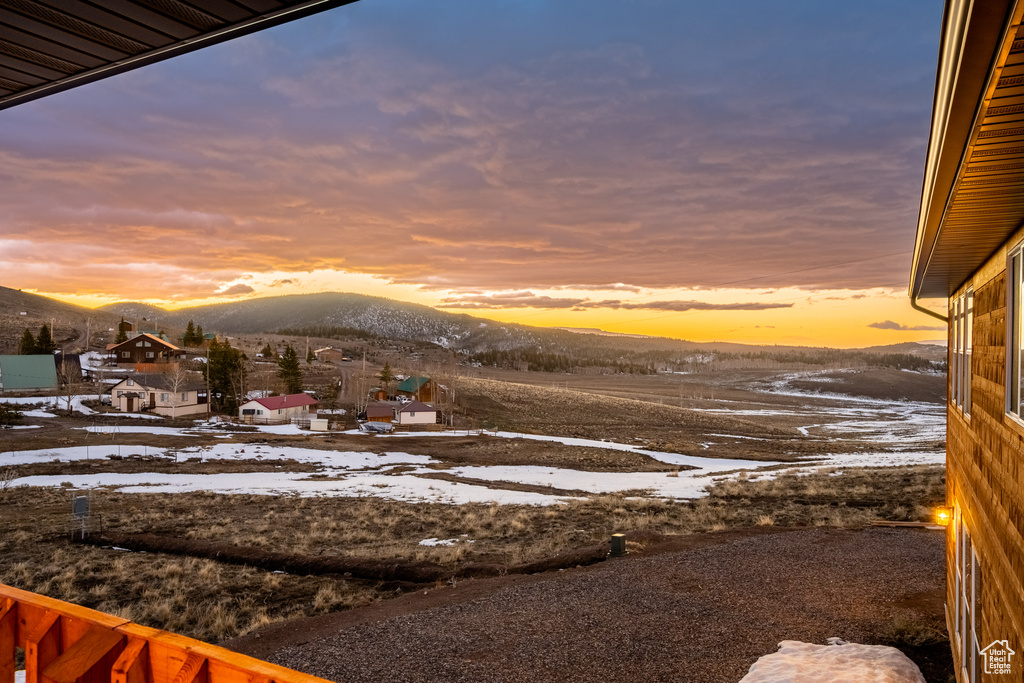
{"x": 278, "y": 409}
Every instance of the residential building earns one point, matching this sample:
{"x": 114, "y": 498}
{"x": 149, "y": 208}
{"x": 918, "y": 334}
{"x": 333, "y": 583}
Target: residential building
{"x": 418, "y": 389}
{"x": 145, "y": 348}
{"x": 170, "y": 394}
{"x": 329, "y": 355}
{"x": 416, "y": 413}
{"x": 969, "y": 254}
{"x": 278, "y": 409}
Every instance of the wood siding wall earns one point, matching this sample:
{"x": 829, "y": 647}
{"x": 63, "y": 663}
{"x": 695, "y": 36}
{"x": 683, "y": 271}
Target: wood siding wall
{"x": 984, "y": 475}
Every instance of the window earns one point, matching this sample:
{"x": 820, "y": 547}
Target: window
{"x": 1014, "y": 338}
{"x": 164, "y": 398}
{"x": 126, "y": 354}
{"x": 131, "y": 383}
{"x": 961, "y": 319}
{"x": 149, "y": 354}
{"x": 184, "y": 396}
{"x": 966, "y": 617}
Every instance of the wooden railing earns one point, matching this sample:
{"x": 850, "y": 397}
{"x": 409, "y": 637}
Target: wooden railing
{"x": 65, "y": 643}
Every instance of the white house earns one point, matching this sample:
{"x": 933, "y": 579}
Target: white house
{"x": 416, "y": 413}
{"x": 163, "y": 393}
{"x": 278, "y": 408}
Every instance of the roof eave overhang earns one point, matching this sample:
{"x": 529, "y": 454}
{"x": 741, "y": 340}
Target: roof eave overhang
{"x": 976, "y": 40}
{"x": 219, "y": 35}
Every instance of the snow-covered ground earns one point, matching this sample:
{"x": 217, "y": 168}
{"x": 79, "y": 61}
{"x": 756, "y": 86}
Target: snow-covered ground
{"x": 837, "y": 661}
{"x": 350, "y": 473}
{"x": 895, "y": 427}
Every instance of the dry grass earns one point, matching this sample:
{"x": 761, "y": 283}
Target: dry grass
{"x": 213, "y": 601}
{"x": 515, "y": 407}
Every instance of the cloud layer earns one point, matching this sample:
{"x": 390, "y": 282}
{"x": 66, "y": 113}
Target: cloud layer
{"x": 891, "y": 325}
{"x": 479, "y": 145}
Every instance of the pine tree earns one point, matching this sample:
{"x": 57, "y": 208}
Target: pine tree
{"x": 226, "y": 371}
{"x": 386, "y": 377}
{"x": 28, "y": 343}
{"x": 190, "y": 335}
{"x": 268, "y": 352}
{"x": 310, "y": 356}
{"x": 122, "y": 331}
{"x": 44, "y": 342}
{"x": 289, "y": 370}
{"x": 200, "y": 337}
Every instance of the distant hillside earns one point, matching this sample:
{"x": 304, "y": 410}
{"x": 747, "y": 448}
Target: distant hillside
{"x": 19, "y": 310}
{"x": 331, "y": 313}
{"x": 357, "y": 316}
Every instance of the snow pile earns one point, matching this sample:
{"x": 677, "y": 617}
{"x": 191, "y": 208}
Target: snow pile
{"x": 797, "y": 662}
{"x": 447, "y": 542}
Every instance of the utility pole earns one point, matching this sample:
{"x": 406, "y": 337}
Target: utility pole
{"x": 209, "y": 397}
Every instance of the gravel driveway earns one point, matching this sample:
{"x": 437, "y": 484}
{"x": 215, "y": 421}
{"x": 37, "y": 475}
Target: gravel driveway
{"x": 702, "y": 611}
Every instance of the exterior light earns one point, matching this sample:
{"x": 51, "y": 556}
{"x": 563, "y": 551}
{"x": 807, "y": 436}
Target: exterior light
{"x": 943, "y": 515}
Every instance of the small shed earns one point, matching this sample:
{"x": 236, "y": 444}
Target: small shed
{"x": 380, "y": 412}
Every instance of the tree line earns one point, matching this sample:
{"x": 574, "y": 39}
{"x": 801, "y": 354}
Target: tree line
{"x": 32, "y": 345}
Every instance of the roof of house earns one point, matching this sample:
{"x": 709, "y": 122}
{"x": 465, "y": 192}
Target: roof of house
{"x": 55, "y": 46}
{"x": 164, "y": 382}
{"x": 413, "y": 384}
{"x": 379, "y": 410}
{"x": 417, "y": 407}
{"x": 28, "y": 372}
{"x": 144, "y": 337}
{"x": 286, "y": 401}
{"x": 970, "y": 200}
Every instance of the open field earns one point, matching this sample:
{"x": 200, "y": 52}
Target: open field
{"x": 559, "y": 470}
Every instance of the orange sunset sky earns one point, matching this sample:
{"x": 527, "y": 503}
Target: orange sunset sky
{"x": 709, "y": 171}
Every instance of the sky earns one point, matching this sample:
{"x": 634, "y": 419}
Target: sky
{"x": 744, "y": 171}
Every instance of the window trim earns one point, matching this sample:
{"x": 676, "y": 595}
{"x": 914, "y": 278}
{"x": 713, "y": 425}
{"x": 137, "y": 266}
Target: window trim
{"x": 1014, "y": 271}
{"x": 961, "y": 353}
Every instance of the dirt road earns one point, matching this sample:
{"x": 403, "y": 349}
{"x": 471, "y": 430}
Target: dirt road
{"x": 698, "y": 608}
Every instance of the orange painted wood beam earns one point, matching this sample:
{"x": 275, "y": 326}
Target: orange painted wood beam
{"x": 67, "y": 643}
{"x": 8, "y": 639}
{"x": 42, "y": 646}
{"x": 132, "y": 666}
{"x": 80, "y": 658}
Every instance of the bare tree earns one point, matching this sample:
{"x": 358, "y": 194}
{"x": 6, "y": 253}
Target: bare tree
{"x": 177, "y": 382}
{"x": 446, "y": 381}
{"x": 69, "y": 377}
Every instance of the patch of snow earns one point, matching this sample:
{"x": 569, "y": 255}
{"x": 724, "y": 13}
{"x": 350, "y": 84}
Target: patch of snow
{"x": 56, "y": 402}
{"x": 141, "y": 416}
{"x": 403, "y": 488}
{"x": 797, "y": 662}
{"x": 37, "y": 413}
{"x": 22, "y": 427}
{"x": 140, "y": 429}
{"x": 433, "y": 542}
